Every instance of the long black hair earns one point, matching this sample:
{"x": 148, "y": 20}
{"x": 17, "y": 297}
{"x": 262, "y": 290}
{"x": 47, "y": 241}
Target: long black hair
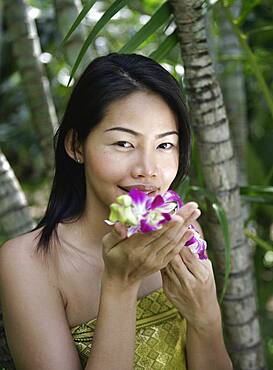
{"x": 106, "y": 79}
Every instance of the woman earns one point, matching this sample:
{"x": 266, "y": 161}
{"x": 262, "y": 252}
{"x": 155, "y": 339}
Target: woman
{"x": 76, "y": 292}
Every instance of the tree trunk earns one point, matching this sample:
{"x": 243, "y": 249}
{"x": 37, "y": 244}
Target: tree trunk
{"x": 15, "y": 218}
{"x": 27, "y": 50}
{"x": 209, "y": 120}
{"x": 66, "y": 13}
{"x": 228, "y": 56}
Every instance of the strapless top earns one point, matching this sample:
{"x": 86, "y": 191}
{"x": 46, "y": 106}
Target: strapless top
{"x": 160, "y": 335}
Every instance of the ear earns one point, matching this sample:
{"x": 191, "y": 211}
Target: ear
{"x": 73, "y": 147}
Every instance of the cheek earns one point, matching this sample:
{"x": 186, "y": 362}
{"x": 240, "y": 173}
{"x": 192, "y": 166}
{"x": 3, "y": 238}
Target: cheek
{"x": 169, "y": 168}
{"x": 103, "y": 165}
{"x": 168, "y": 177}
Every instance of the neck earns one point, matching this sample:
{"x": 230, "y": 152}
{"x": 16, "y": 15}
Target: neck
{"x": 93, "y": 227}
{"x": 88, "y": 231}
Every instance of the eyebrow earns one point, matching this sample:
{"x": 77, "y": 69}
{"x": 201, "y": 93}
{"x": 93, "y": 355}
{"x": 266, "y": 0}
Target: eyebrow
{"x": 132, "y": 132}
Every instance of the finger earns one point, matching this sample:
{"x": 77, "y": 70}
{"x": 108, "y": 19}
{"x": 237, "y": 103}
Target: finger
{"x": 120, "y": 229}
{"x": 168, "y": 252}
{"x": 182, "y": 273}
{"x": 151, "y": 239}
{"x": 175, "y": 233}
{"x": 168, "y": 282}
{"x": 172, "y": 241}
{"x": 171, "y": 277}
{"x": 118, "y": 233}
{"x": 187, "y": 209}
{"x": 184, "y": 213}
{"x": 188, "y": 212}
{"x": 194, "y": 264}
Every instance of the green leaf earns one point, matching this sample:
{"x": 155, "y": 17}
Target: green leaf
{"x": 257, "y": 193}
{"x": 158, "y": 18}
{"x": 87, "y": 6}
{"x": 257, "y": 199}
{"x": 164, "y": 49}
{"x": 247, "y": 6}
{"x": 253, "y": 31}
{"x": 221, "y": 215}
{"x": 105, "y": 18}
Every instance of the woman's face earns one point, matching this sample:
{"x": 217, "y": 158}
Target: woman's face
{"x": 135, "y": 144}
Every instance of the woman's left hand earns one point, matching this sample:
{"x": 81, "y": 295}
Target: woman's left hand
{"x": 189, "y": 284}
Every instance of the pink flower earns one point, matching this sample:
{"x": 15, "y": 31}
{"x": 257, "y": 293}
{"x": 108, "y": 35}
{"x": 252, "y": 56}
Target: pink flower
{"x": 143, "y": 213}
{"x": 197, "y": 244}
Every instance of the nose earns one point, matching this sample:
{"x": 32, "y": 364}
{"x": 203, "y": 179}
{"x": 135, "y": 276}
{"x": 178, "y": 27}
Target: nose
{"x": 144, "y": 166}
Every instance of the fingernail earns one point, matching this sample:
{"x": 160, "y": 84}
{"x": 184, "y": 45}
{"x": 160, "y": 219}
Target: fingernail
{"x": 194, "y": 204}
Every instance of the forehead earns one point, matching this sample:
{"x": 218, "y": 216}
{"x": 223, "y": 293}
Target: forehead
{"x": 140, "y": 111}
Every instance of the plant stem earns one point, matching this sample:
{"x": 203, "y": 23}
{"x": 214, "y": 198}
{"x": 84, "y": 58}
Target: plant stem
{"x": 260, "y": 242}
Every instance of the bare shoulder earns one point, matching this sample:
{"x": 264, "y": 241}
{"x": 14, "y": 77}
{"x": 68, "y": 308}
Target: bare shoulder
{"x": 23, "y": 248}
{"x": 20, "y": 252}
{"x": 18, "y": 256}
{"x": 22, "y": 244}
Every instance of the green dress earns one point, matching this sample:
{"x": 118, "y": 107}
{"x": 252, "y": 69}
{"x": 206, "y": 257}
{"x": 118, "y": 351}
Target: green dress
{"x": 160, "y": 335}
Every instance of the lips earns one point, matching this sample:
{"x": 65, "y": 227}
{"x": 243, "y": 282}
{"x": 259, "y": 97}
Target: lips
{"x": 148, "y": 189}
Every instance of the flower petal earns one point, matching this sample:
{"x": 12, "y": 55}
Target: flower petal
{"x": 132, "y": 230}
{"x": 202, "y": 255}
{"x": 139, "y": 202}
{"x": 158, "y": 201}
{"x": 145, "y": 227}
{"x": 172, "y": 196}
{"x": 124, "y": 200}
{"x": 168, "y": 207}
{"x": 138, "y": 197}
{"x": 196, "y": 243}
{"x": 192, "y": 240}
{"x": 167, "y": 218}
{"x": 109, "y": 222}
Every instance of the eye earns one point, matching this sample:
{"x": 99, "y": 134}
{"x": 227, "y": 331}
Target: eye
{"x": 171, "y": 145}
{"x": 123, "y": 144}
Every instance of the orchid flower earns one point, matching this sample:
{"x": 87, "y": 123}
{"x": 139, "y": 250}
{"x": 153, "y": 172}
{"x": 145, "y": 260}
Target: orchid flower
{"x": 197, "y": 244}
{"x": 142, "y": 213}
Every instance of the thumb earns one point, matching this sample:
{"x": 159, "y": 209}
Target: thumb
{"x": 120, "y": 229}
{"x": 118, "y": 233}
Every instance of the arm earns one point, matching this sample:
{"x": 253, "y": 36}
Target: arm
{"x": 37, "y": 329}
{"x": 189, "y": 283}
{"x": 114, "y": 339}
{"x": 205, "y": 348}
{"x": 35, "y": 321}
{"x": 209, "y": 347}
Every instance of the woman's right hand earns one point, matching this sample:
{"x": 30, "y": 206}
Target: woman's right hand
{"x": 128, "y": 260}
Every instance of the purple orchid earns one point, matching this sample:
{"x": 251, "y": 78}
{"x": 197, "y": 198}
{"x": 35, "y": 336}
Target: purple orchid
{"x": 142, "y": 213}
{"x": 153, "y": 212}
{"x": 197, "y": 244}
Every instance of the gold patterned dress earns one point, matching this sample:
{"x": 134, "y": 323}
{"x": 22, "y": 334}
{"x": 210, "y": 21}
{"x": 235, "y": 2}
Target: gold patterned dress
{"x": 160, "y": 335}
